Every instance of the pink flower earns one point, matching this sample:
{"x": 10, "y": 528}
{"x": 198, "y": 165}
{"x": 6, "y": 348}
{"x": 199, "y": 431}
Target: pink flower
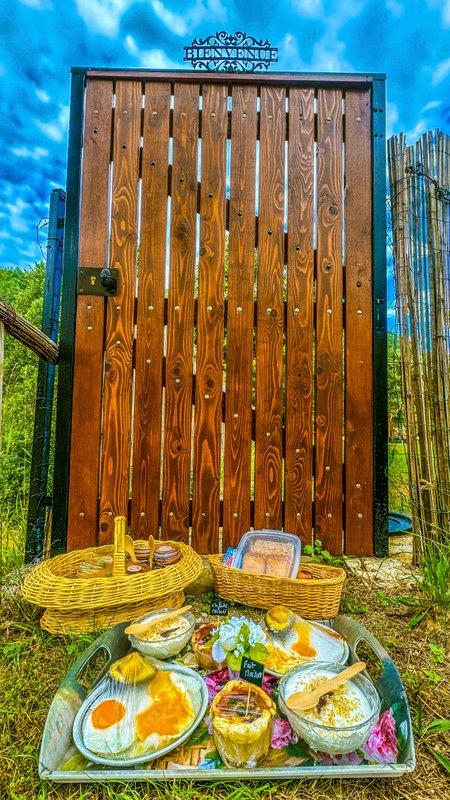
{"x": 382, "y": 743}
{"x": 282, "y": 734}
{"x": 269, "y": 683}
{"x": 328, "y": 760}
{"x": 215, "y": 682}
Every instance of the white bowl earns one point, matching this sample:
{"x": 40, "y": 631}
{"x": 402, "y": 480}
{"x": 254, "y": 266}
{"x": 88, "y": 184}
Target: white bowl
{"x": 325, "y": 738}
{"x": 163, "y": 648}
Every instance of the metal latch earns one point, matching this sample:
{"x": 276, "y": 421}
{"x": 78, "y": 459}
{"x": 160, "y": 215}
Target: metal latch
{"x": 98, "y": 280}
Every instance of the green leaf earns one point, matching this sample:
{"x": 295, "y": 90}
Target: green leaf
{"x": 432, "y": 676}
{"x": 437, "y": 653}
{"x": 442, "y": 760}
{"x": 298, "y": 750}
{"x": 419, "y": 717}
{"x": 437, "y": 726}
{"x": 411, "y": 602}
{"x": 200, "y": 736}
{"x": 258, "y": 652}
{"x": 418, "y": 618}
{"x": 234, "y": 661}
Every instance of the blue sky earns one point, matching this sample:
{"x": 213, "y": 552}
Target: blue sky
{"x": 42, "y": 39}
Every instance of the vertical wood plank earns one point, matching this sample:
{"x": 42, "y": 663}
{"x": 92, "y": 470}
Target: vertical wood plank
{"x": 241, "y": 269}
{"x": 210, "y": 315}
{"x": 150, "y": 314}
{"x": 178, "y": 398}
{"x": 358, "y": 326}
{"x": 329, "y": 324}
{"x": 116, "y": 432}
{"x": 270, "y": 310}
{"x": 300, "y": 316}
{"x": 90, "y": 319}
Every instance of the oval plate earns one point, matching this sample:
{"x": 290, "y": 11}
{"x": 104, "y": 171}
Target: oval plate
{"x": 85, "y": 709}
{"x": 321, "y": 637}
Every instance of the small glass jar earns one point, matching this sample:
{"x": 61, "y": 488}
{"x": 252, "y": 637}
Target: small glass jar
{"x": 137, "y": 569}
{"x": 202, "y": 646}
{"x": 241, "y": 717}
{"x": 165, "y": 554}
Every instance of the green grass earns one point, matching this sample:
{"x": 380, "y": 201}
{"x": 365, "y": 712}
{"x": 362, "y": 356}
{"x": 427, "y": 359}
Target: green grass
{"x": 399, "y": 499}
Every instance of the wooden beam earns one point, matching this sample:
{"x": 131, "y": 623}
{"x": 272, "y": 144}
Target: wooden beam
{"x": 28, "y": 334}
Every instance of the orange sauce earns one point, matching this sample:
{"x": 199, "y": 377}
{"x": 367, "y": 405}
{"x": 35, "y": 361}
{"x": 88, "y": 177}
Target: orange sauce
{"x": 302, "y": 645}
{"x": 107, "y": 713}
{"x": 170, "y": 712}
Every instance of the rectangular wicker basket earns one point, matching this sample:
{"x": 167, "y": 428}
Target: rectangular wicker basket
{"x": 316, "y": 598}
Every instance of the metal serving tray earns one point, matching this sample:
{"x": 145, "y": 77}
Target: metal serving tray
{"x": 58, "y": 759}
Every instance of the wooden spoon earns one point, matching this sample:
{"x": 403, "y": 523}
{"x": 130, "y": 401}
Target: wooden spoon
{"x": 300, "y": 701}
{"x": 141, "y": 627}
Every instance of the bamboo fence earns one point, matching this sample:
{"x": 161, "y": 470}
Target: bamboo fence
{"x": 419, "y": 177}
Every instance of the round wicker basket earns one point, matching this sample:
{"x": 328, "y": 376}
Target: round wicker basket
{"x": 95, "y": 619}
{"x": 316, "y": 598}
{"x": 53, "y": 583}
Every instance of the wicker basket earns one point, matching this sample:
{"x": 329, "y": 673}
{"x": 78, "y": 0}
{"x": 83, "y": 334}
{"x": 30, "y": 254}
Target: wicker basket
{"x": 53, "y": 583}
{"x": 318, "y": 598}
{"x": 83, "y": 621}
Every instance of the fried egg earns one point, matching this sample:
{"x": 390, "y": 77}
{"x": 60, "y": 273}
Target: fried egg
{"x": 109, "y": 727}
{"x": 173, "y": 701}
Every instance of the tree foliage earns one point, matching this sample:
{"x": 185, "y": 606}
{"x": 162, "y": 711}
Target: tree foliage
{"x": 24, "y": 290}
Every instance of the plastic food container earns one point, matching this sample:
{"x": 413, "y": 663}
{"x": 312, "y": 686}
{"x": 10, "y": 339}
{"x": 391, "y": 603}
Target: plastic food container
{"x": 344, "y": 720}
{"x": 267, "y": 552}
{"x": 169, "y": 641}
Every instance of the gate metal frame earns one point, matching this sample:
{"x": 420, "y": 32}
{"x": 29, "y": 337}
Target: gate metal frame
{"x": 376, "y": 82}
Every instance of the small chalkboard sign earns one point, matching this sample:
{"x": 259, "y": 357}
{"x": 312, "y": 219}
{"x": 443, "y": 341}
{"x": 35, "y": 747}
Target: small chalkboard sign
{"x": 219, "y": 607}
{"x": 252, "y": 671}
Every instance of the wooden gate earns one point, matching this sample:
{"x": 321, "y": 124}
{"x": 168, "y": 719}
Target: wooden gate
{"x": 237, "y": 379}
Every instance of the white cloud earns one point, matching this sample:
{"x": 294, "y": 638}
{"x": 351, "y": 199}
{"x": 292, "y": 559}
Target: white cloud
{"x": 419, "y": 129}
{"x": 180, "y": 24}
{"x": 330, "y": 59}
{"x": 57, "y": 129}
{"x": 131, "y": 46}
{"x": 38, "y": 5}
{"x": 395, "y": 8}
{"x": 157, "y": 59}
{"x": 441, "y": 72}
{"x": 444, "y": 6}
{"x": 431, "y": 104}
{"x": 43, "y": 96}
{"x": 30, "y": 252}
{"x": 16, "y": 215}
{"x": 103, "y": 16}
{"x": 26, "y": 152}
{"x": 176, "y": 22}
{"x": 309, "y": 8}
{"x": 392, "y": 117}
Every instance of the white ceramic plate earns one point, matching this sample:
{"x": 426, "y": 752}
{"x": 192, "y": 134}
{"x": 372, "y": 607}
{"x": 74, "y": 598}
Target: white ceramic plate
{"x": 325, "y": 644}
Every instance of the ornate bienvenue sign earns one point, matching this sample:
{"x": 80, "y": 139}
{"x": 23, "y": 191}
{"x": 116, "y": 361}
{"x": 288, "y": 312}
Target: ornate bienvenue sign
{"x": 231, "y": 52}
